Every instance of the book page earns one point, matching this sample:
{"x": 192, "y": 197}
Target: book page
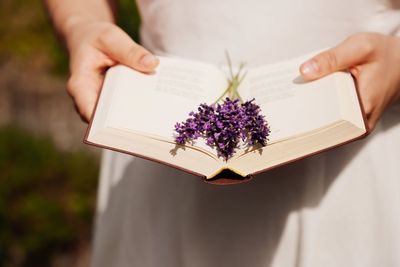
{"x": 153, "y": 103}
{"x": 290, "y": 105}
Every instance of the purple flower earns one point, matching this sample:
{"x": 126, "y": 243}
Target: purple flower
{"x": 224, "y": 125}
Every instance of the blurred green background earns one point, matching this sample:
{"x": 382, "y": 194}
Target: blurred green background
{"x": 48, "y": 178}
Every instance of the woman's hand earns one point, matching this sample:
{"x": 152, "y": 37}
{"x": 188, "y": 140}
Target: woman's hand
{"x": 93, "y": 47}
{"x": 374, "y": 61}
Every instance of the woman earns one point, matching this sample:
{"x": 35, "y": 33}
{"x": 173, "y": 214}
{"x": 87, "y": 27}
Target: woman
{"x": 340, "y": 208}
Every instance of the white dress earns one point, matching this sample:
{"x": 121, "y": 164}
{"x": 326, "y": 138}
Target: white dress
{"x": 340, "y": 208}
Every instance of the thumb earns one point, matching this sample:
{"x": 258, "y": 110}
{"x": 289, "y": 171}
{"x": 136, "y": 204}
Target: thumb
{"x": 347, "y": 54}
{"x": 120, "y": 47}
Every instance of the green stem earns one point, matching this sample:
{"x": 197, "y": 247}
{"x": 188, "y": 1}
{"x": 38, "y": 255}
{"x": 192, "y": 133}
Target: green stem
{"x": 233, "y": 83}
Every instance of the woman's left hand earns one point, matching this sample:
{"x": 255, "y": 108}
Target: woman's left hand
{"x": 374, "y": 61}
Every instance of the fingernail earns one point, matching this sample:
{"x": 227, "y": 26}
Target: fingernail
{"x": 310, "y": 68}
{"x": 148, "y": 60}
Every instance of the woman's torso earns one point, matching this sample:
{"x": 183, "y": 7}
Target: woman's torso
{"x": 258, "y": 32}
{"x": 339, "y": 208}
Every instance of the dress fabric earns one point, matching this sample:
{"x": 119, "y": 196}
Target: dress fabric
{"x": 338, "y": 208}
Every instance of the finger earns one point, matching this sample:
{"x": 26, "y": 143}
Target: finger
{"x": 120, "y": 47}
{"x": 83, "y": 88}
{"x": 87, "y": 67}
{"x": 372, "y": 99}
{"x": 373, "y": 120}
{"x": 351, "y": 52}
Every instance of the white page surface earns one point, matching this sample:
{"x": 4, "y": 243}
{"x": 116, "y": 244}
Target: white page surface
{"x": 154, "y": 103}
{"x": 292, "y": 106}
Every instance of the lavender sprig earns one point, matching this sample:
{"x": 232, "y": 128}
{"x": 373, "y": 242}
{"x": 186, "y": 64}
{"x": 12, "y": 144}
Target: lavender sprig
{"x": 224, "y": 125}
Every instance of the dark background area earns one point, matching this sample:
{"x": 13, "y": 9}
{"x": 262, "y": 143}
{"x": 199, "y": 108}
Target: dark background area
{"x": 48, "y": 177}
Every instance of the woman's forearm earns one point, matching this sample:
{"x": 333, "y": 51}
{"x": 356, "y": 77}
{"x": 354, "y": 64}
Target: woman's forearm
{"x": 67, "y": 14}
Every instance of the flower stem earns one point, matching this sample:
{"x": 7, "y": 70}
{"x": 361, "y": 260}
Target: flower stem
{"x": 233, "y": 82}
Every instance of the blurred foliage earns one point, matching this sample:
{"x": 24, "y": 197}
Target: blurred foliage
{"x": 128, "y": 18}
{"x": 26, "y": 35}
{"x": 46, "y": 198}
{"x": 46, "y": 195}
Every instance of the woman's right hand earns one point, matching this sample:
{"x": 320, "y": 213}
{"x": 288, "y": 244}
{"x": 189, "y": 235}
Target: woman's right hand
{"x": 93, "y": 48}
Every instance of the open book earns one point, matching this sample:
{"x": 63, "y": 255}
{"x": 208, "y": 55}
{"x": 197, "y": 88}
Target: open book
{"x": 136, "y": 114}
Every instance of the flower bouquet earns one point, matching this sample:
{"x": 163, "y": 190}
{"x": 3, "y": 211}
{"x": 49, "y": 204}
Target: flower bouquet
{"x": 227, "y": 123}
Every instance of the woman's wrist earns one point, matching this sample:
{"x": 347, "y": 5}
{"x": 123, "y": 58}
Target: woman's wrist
{"x": 74, "y": 21}
{"x": 71, "y": 15}
{"x": 87, "y": 32}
